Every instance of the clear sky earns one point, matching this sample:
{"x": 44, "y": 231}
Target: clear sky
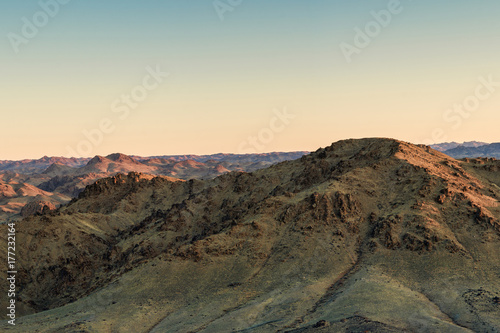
{"x": 243, "y": 76}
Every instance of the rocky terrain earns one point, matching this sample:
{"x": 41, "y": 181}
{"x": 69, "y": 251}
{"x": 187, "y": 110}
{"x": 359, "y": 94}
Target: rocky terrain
{"x": 370, "y": 235}
{"x": 55, "y": 180}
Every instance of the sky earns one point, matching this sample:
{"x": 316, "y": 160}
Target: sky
{"x": 81, "y": 78}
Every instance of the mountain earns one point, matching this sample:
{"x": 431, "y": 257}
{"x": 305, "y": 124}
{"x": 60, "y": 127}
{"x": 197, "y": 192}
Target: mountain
{"x": 118, "y": 157}
{"x": 16, "y": 194}
{"x": 57, "y": 169}
{"x": 34, "y": 166}
{"x": 489, "y": 150}
{"x": 30, "y": 166}
{"x": 368, "y": 235}
{"x": 113, "y": 163}
{"x": 450, "y": 145}
{"x": 66, "y": 178}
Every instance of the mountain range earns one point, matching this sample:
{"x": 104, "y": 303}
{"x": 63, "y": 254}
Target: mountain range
{"x": 490, "y": 150}
{"x": 470, "y": 149}
{"x": 367, "y": 235}
{"x": 51, "y": 181}
{"x": 443, "y": 147}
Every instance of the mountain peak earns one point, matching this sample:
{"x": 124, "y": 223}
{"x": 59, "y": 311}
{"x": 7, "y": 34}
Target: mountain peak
{"x": 373, "y": 149}
{"x": 118, "y": 157}
{"x": 57, "y": 168}
{"x": 97, "y": 160}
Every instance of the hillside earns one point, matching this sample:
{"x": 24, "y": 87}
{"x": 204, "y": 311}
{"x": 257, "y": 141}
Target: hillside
{"x": 372, "y": 235}
{"x": 16, "y": 192}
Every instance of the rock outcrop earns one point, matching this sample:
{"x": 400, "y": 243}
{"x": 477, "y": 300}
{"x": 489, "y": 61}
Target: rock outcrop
{"x": 37, "y": 206}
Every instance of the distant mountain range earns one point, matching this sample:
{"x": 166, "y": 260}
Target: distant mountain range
{"x": 489, "y": 150}
{"x": 51, "y": 181}
{"x": 470, "y": 149}
{"x": 442, "y": 147}
{"x": 38, "y": 165}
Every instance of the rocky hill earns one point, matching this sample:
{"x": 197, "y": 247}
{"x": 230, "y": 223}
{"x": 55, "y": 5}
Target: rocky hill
{"x": 372, "y": 235}
{"x": 17, "y": 191}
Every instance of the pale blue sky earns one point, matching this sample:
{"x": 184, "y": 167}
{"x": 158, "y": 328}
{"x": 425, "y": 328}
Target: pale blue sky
{"x": 227, "y": 76}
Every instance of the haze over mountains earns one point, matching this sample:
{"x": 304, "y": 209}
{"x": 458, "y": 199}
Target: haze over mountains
{"x": 51, "y": 181}
{"x": 470, "y": 149}
{"x": 442, "y": 147}
{"x": 371, "y": 235}
{"x": 489, "y": 150}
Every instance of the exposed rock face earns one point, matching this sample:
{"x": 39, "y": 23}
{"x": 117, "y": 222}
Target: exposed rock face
{"x": 37, "y": 206}
{"x": 364, "y": 235}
